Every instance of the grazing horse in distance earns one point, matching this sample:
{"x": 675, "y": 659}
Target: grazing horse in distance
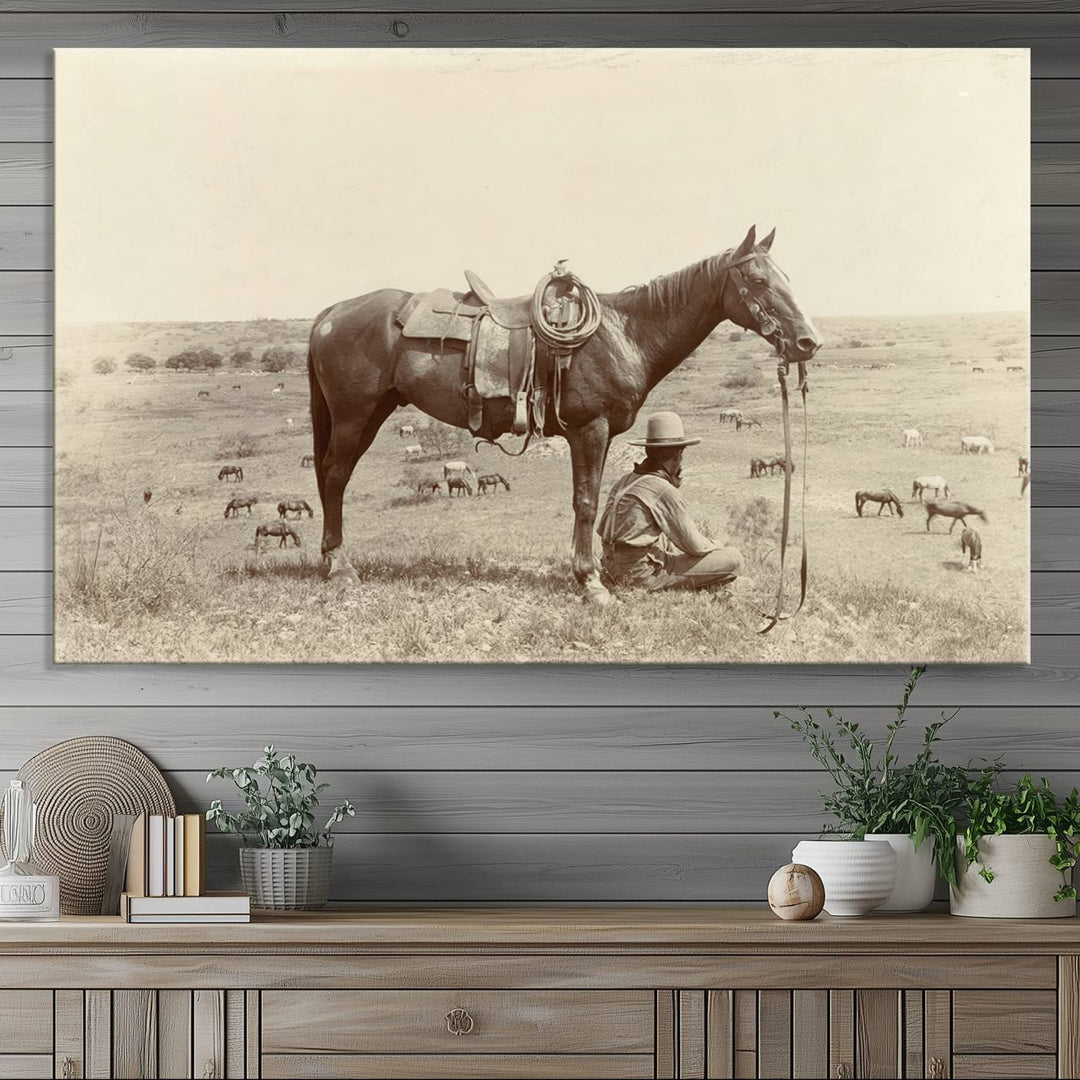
{"x": 1025, "y": 482}
{"x": 1014, "y": 367}
{"x": 732, "y": 416}
{"x": 231, "y": 470}
{"x": 757, "y": 467}
{"x": 276, "y": 528}
{"x": 925, "y": 483}
{"x": 883, "y": 498}
{"x": 958, "y": 511}
{"x": 1023, "y": 466}
{"x": 280, "y": 386}
{"x": 202, "y": 394}
{"x": 975, "y": 444}
{"x": 277, "y": 389}
{"x": 458, "y": 484}
{"x": 147, "y": 495}
{"x": 412, "y": 453}
{"x": 236, "y": 505}
{"x": 406, "y": 429}
{"x": 236, "y": 386}
{"x": 492, "y": 481}
{"x": 910, "y": 437}
{"x": 307, "y": 461}
{"x": 749, "y": 422}
{"x": 460, "y": 469}
{"x": 361, "y": 368}
{"x": 971, "y": 545}
{"x": 294, "y": 506}
{"x": 778, "y": 463}
{"x": 429, "y": 487}
{"x": 978, "y": 371}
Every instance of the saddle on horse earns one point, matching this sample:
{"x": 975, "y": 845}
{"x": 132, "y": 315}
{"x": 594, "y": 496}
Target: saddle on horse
{"x": 502, "y": 358}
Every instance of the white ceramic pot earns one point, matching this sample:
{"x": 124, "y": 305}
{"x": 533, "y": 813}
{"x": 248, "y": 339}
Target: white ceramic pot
{"x": 916, "y": 872}
{"x": 858, "y": 875}
{"x": 1024, "y": 881}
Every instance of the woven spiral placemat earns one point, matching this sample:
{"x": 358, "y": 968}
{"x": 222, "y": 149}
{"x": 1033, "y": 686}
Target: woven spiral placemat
{"x": 78, "y": 785}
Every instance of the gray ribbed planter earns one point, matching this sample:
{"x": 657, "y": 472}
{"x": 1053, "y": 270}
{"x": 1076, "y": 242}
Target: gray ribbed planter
{"x": 1024, "y": 881}
{"x": 287, "y": 879}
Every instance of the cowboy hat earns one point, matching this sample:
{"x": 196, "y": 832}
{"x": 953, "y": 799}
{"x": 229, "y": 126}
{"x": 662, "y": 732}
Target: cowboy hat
{"x": 664, "y": 429}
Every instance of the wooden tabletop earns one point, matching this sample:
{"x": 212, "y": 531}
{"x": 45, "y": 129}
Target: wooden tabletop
{"x": 679, "y": 928}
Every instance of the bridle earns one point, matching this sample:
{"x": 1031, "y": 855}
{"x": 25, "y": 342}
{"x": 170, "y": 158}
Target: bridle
{"x": 768, "y": 324}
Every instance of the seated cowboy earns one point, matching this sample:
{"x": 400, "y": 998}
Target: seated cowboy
{"x": 650, "y": 539}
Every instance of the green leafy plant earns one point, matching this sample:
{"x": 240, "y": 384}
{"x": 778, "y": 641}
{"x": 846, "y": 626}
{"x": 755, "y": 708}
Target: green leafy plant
{"x": 280, "y": 796}
{"x": 1027, "y": 809}
{"x": 874, "y": 792}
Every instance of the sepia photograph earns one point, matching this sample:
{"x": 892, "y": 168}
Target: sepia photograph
{"x": 542, "y": 356}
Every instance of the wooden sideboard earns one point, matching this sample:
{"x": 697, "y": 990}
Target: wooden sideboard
{"x": 551, "y": 992}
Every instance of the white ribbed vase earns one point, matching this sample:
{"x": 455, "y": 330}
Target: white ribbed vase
{"x": 858, "y": 875}
{"x": 286, "y": 879}
{"x": 1024, "y": 881}
{"x": 916, "y": 872}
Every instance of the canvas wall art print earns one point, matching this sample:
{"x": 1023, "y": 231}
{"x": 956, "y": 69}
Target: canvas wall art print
{"x": 542, "y": 356}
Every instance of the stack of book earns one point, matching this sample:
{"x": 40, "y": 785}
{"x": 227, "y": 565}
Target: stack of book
{"x": 166, "y": 874}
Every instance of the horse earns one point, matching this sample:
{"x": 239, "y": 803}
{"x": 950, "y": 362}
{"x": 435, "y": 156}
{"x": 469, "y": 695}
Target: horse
{"x": 429, "y": 487}
{"x": 236, "y": 505}
{"x": 458, "y": 484}
{"x": 361, "y": 369}
{"x": 1014, "y": 367}
{"x": 412, "y": 453}
{"x": 1023, "y": 466}
{"x": 276, "y": 528}
{"x": 757, "y": 467}
{"x": 975, "y": 444}
{"x": 958, "y": 511}
{"x": 749, "y": 422}
{"x": 971, "y": 545}
{"x": 294, "y": 506}
{"x": 732, "y": 416}
{"x": 883, "y": 498}
{"x": 280, "y": 386}
{"x": 1025, "y": 482}
{"x": 202, "y": 394}
{"x": 277, "y": 389}
{"x": 925, "y": 483}
{"x": 236, "y": 386}
{"x": 147, "y": 495}
{"x": 307, "y": 461}
{"x": 231, "y": 470}
{"x": 492, "y": 481}
{"x": 910, "y": 437}
{"x": 406, "y": 429}
{"x": 459, "y": 469}
{"x": 778, "y": 463}
{"x": 978, "y": 371}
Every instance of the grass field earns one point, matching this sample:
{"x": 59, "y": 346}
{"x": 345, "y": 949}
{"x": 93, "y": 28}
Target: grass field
{"x": 487, "y": 579}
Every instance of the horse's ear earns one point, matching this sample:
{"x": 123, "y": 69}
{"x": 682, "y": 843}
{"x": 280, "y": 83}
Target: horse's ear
{"x": 747, "y": 245}
{"x": 767, "y": 242}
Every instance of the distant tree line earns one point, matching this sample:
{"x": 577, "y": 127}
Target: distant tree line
{"x": 275, "y": 358}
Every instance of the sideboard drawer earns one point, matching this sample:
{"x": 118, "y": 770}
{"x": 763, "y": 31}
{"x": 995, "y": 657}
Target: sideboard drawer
{"x": 458, "y": 1021}
{"x": 1004, "y": 1021}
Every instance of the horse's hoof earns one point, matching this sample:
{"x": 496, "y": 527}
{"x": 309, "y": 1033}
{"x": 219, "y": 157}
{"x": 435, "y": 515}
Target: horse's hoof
{"x": 597, "y": 595}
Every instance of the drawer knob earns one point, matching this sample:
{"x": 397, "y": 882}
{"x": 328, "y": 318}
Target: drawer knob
{"x": 459, "y": 1022}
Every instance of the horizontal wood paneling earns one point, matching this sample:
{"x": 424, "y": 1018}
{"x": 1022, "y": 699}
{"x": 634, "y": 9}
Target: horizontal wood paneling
{"x": 26, "y": 40}
{"x": 625, "y": 784}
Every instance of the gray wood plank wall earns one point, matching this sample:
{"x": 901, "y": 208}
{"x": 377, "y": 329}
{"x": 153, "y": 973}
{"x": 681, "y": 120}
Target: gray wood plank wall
{"x": 524, "y": 784}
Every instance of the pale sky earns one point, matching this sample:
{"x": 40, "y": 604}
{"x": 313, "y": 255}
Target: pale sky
{"x": 230, "y": 184}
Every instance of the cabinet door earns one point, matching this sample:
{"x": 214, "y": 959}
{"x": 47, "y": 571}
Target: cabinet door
{"x": 26, "y": 1021}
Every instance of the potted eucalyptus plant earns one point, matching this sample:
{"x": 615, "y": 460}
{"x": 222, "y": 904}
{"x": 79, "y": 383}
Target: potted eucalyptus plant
{"x": 285, "y": 859}
{"x": 910, "y": 807}
{"x": 1016, "y": 853}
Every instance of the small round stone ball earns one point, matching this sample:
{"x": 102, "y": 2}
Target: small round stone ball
{"x": 796, "y": 892}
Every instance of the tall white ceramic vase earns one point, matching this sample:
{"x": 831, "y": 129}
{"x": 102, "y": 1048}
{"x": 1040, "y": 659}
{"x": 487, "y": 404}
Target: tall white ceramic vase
{"x": 916, "y": 872}
{"x": 858, "y": 875}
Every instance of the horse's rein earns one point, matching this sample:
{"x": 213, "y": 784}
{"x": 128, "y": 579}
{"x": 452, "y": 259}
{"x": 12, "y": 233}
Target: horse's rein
{"x": 768, "y": 323}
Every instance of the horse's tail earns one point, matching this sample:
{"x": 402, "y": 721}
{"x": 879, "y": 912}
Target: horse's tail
{"x": 320, "y": 422}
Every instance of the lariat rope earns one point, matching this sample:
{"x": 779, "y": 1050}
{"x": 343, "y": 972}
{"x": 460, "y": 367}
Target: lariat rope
{"x": 562, "y": 339}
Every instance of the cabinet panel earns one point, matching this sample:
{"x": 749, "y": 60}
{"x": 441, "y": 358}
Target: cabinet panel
{"x": 459, "y": 1066}
{"x": 25, "y": 1066}
{"x": 135, "y": 1034}
{"x": 810, "y": 1034}
{"x": 774, "y": 1034}
{"x": 1010, "y": 1066}
{"x": 26, "y": 1022}
{"x": 70, "y": 1025}
{"x": 456, "y": 1021}
{"x": 1004, "y": 1022}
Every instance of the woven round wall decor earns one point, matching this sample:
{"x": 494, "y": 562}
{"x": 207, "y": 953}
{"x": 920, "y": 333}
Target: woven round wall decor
{"x": 78, "y": 785}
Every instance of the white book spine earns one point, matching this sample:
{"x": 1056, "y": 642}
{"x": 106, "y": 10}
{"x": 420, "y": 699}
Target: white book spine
{"x": 178, "y": 857}
{"x": 155, "y": 854}
{"x": 170, "y": 856}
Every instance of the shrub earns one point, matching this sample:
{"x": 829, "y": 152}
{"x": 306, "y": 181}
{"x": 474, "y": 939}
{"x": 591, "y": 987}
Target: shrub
{"x": 203, "y": 359}
{"x": 743, "y": 379}
{"x": 278, "y": 358}
{"x": 237, "y": 444}
{"x": 737, "y": 336}
{"x": 138, "y": 361}
{"x": 242, "y": 358}
{"x": 104, "y": 365}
